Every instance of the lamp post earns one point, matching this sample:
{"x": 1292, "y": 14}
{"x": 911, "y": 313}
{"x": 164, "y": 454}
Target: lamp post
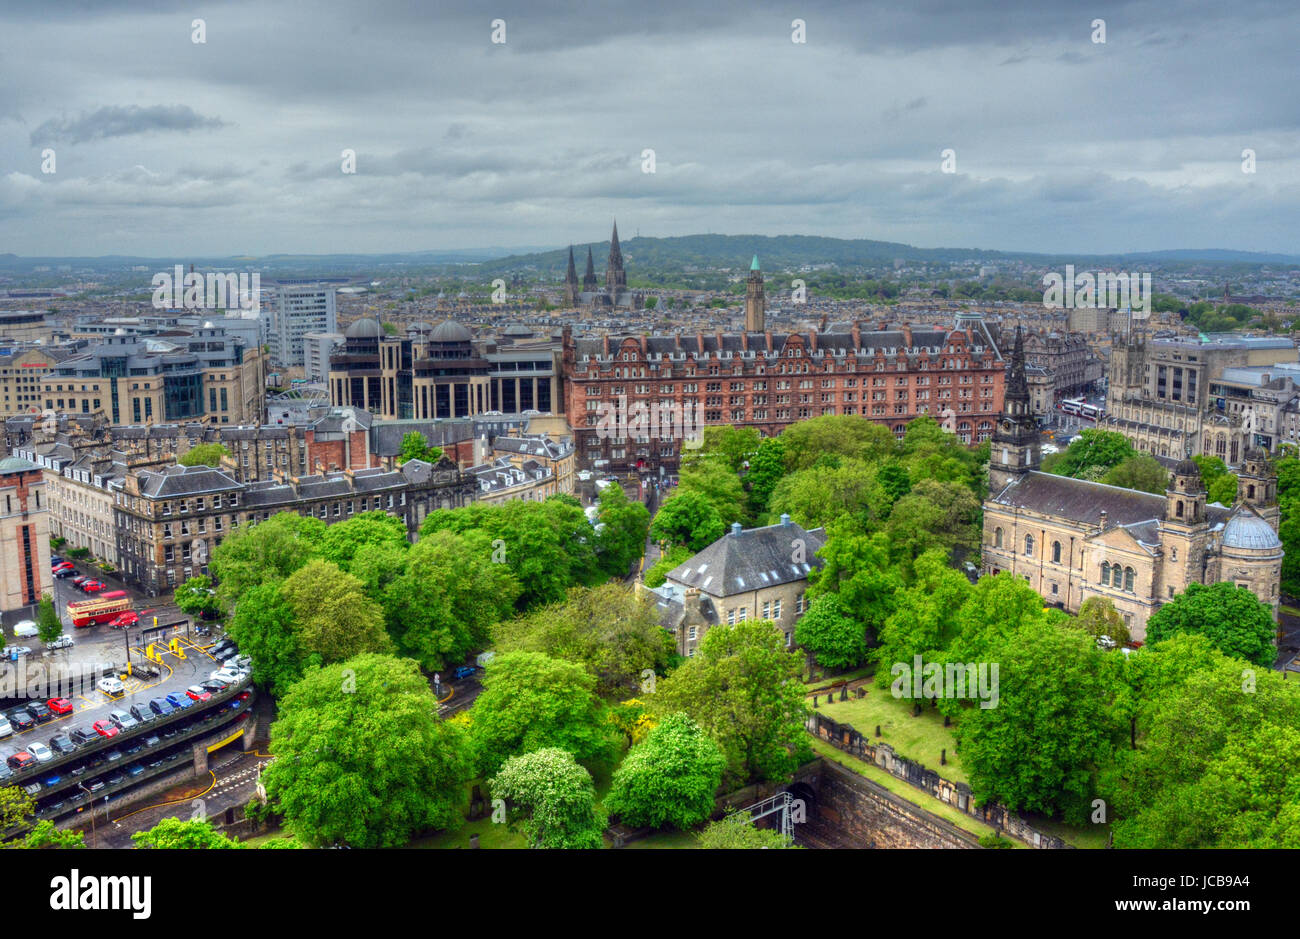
{"x": 82, "y": 786}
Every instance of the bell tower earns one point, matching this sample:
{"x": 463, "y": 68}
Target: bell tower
{"x": 755, "y": 302}
{"x": 1184, "y": 529}
{"x": 1257, "y": 486}
{"x": 1015, "y": 447}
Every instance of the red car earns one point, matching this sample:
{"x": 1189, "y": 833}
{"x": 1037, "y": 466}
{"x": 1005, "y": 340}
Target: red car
{"x": 59, "y": 705}
{"x": 106, "y": 728}
{"x": 197, "y": 693}
{"x": 62, "y": 566}
{"x": 92, "y": 586}
{"x": 129, "y": 618}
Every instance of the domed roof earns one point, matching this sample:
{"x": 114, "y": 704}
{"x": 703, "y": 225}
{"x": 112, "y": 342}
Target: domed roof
{"x": 450, "y": 331}
{"x": 1248, "y": 530}
{"x": 365, "y": 328}
{"x": 1190, "y": 470}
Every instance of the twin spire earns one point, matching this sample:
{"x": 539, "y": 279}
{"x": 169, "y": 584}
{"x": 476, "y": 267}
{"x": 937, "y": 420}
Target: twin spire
{"x": 615, "y": 276}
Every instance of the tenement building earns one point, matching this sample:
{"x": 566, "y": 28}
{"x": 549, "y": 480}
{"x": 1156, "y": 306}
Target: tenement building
{"x": 631, "y": 399}
{"x": 1072, "y": 539}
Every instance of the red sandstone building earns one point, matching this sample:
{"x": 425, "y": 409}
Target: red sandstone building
{"x": 24, "y": 535}
{"x": 769, "y": 381}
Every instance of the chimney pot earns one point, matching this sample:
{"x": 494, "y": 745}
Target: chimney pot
{"x": 785, "y": 518}
{"x": 735, "y": 528}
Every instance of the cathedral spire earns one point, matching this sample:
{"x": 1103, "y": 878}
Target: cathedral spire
{"x": 589, "y": 279}
{"x": 1017, "y": 383}
{"x": 571, "y": 276}
{"x": 615, "y": 276}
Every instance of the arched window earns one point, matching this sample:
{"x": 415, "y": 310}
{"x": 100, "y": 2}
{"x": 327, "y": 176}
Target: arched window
{"x": 1105, "y": 572}
{"x": 997, "y": 538}
{"x": 1129, "y": 576}
{"x": 1250, "y": 492}
{"x": 1056, "y": 552}
{"x": 1029, "y": 545}
{"x": 1178, "y": 509}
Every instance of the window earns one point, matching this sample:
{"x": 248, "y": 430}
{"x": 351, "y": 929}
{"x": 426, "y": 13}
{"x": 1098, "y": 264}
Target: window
{"x": 1105, "y": 572}
{"x": 1130, "y": 576}
{"x": 997, "y": 538}
{"x": 1029, "y": 545}
{"x": 1056, "y": 552}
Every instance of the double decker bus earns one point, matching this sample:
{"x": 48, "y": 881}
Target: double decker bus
{"x": 101, "y": 609}
{"x": 1081, "y": 408}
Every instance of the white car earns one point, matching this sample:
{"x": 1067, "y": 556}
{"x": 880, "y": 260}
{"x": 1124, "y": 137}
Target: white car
{"x": 6, "y": 728}
{"x": 40, "y": 751}
{"x": 63, "y": 642}
{"x": 26, "y": 629}
{"x": 111, "y": 685}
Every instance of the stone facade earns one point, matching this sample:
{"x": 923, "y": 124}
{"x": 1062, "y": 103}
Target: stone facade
{"x": 24, "y": 535}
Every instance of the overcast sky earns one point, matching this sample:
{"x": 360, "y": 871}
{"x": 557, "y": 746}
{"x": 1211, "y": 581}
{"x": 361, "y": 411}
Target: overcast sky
{"x": 165, "y": 147}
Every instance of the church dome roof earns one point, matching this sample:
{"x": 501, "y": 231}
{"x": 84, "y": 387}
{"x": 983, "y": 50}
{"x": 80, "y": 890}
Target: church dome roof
{"x": 365, "y": 328}
{"x": 1186, "y": 467}
{"x": 1247, "y": 530}
{"x": 450, "y": 331}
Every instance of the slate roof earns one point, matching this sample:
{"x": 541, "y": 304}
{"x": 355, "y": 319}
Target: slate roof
{"x": 1081, "y": 501}
{"x": 182, "y": 481}
{"x": 739, "y": 562}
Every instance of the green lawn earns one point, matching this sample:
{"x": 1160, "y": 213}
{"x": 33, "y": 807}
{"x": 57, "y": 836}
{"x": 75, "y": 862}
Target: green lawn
{"x": 918, "y": 738}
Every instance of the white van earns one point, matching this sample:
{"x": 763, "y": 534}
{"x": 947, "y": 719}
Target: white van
{"x": 26, "y": 629}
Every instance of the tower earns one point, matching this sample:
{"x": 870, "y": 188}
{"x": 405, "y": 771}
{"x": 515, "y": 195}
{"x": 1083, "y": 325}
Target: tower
{"x": 1014, "y": 450}
{"x": 615, "y": 276}
{"x": 589, "y": 278}
{"x": 1257, "y": 486}
{"x": 1184, "y": 529}
{"x": 755, "y": 304}
{"x": 571, "y": 282}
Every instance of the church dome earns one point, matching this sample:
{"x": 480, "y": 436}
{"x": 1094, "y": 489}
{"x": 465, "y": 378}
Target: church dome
{"x": 450, "y": 331}
{"x": 365, "y": 328}
{"x": 1247, "y": 530}
{"x": 1189, "y": 469}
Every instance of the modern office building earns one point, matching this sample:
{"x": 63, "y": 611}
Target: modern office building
{"x": 300, "y": 309}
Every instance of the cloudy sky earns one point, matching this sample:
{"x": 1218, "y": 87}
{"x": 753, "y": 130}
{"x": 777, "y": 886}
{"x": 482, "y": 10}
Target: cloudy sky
{"x": 167, "y": 147}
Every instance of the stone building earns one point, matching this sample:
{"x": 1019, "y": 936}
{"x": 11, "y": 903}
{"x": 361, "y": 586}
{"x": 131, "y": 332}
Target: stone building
{"x": 758, "y": 573}
{"x": 614, "y": 295}
{"x": 22, "y": 374}
{"x": 1058, "y": 365}
{"x": 81, "y": 497}
{"x": 679, "y": 384}
{"x": 24, "y": 535}
{"x": 1071, "y": 539}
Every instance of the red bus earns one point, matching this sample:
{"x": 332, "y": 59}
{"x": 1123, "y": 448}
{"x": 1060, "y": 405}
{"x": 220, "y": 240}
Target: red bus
{"x": 99, "y": 610}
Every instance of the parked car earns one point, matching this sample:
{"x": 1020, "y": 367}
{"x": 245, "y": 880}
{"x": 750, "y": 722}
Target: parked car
{"x": 52, "y": 780}
{"x": 40, "y": 751}
{"x": 62, "y": 566}
{"x": 21, "y": 760}
{"x": 154, "y": 762}
{"x": 62, "y": 572}
{"x": 152, "y": 740}
{"x": 39, "y": 711}
{"x": 56, "y": 559}
{"x": 21, "y": 720}
{"x": 127, "y": 618}
{"x": 123, "y": 720}
{"x": 79, "y": 580}
{"x": 5, "y": 727}
{"x": 59, "y": 705}
{"x": 114, "y": 755}
{"x": 92, "y": 586}
{"x": 115, "y": 779}
{"x": 142, "y": 713}
{"x": 63, "y": 642}
{"x": 95, "y": 785}
{"x": 82, "y": 735}
{"x": 76, "y": 797}
{"x": 5, "y": 771}
{"x": 75, "y": 769}
{"x": 111, "y": 685}
{"x": 244, "y": 661}
{"x": 198, "y": 693}
{"x": 10, "y": 652}
{"x": 179, "y": 701}
{"x": 135, "y": 769}
{"x": 161, "y": 707}
{"x": 32, "y": 788}
{"x": 62, "y": 744}
{"x": 214, "y": 686}
{"x": 133, "y": 748}
{"x": 106, "y": 729}
{"x": 464, "y": 671}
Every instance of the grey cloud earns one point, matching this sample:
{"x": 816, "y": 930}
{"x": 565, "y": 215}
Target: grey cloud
{"x": 121, "y": 122}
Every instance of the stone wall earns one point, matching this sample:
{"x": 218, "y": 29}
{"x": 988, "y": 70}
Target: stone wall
{"x": 874, "y": 817}
{"x": 958, "y": 795}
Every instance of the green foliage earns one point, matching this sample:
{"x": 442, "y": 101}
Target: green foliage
{"x": 742, "y": 687}
{"x": 172, "y": 834}
{"x": 622, "y": 540}
{"x": 1220, "y": 485}
{"x": 1141, "y": 471}
{"x": 1288, "y": 501}
{"x": 608, "y": 630}
{"x": 1098, "y": 617}
{"x": 362, "y": 758}
{"x": 263, "y": 627}
{"x": 670, "y": 778}
{"x": 766, "y": 468}
{"x": 923, "y": 617}
{"x": 45, "y": 835}
{"x": 807, "y": 441}
{"x": 551, "y": 798}
{"x": 994, "y": 840}
{"x": 1231, "y": 617}
{"x": 1041, "y": 747}
{"x": 737, "y": 832}
{"x": 333, "y": 619}
{"x": 689, "y": 519}
{"x": 674, "y": 557}
{"x": 415, "y": 446}
{"x": 531, "y": 701}
{"x": 48, "y": 624}
{"x": 1094, "y": 450}
{"x": 204, "y": 454}
{"x": 443, "y": 605}
{"x": 267, "y": 552}
{"x": 342, "y": 540}
{"x": 713, "y": 479}
{"x": 196, "y": 597}
{"x": 836, "y": 639}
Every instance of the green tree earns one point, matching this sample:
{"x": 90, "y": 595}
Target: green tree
{"x": 196, "y": 597}
{"x": 551, "y": 798}
{"x": 718, "y": 483}
{"x": 47, "y": 620}
{"x": 172, "y": 833}
{"x": 1141, "y": 471}
{"x": 267, "y": 552}
{"x": 1231, "y": 617}
{"x": 835, "y": 639}
{"x": 45, "y": 835}
{"x": 415, "y": 446}
{"x": 1041, "y": 747}
{"x": 824, "y": 494}
{"x": 807, "y": 441}
{"x": 766, "y": 467}
{"x": 608, "y": 630}
{"x": 263, "y": 627}
{"x": 443, "y": 605}
{"x": 738, "y": 832}
{"x": 923, "y": 617}
{"x": 670, "y": 778}
{"x": 622, "y": 539}
{"x": 362, "y": 758}
{"x": 343, "y": 540}
{"x": 204, "y": 454}
{"x": 742, "y": 687}
{"x": 687, "y": 519}
{"x": 1092, "y": 450}
{"x": 531, "y": 701}
{"x": 656, "y": 574}
{"x": 332, "y": 616}
{"x": 934, "y": 515}
{"x": 1098, "y": 617}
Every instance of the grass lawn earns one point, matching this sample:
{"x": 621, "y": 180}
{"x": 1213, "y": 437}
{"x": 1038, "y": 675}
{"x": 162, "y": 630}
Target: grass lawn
{"x": 910, "y": 793}
{"x": 1081, "y": 836}
{"x": 489, "y": 836}
{"x": 671, "y": 838}
{"x": 917, "y": 738}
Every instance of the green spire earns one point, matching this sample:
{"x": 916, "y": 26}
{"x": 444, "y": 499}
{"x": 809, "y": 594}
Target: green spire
{"x": 754, "y": 266}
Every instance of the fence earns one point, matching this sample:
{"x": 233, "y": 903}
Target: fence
{"x": 958, "y": 795}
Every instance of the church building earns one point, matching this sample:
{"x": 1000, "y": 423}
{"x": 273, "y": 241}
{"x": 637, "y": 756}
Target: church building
{"x": 615, "y": 294}
{"x": 1072, "y": 539}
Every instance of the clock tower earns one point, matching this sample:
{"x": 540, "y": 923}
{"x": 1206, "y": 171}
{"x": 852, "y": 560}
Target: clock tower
{"x": 1014, "y": 449}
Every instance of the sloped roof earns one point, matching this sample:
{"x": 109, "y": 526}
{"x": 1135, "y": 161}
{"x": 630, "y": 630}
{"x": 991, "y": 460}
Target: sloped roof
{"x": 1082, "y": 501}
{"x": 739, "y": 562}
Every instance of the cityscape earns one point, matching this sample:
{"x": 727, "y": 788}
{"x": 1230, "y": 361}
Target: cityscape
{"x": 370, "y": 481}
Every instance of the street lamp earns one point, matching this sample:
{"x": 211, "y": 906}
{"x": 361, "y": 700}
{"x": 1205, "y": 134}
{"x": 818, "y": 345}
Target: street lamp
{"x": 82, "y": 786}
